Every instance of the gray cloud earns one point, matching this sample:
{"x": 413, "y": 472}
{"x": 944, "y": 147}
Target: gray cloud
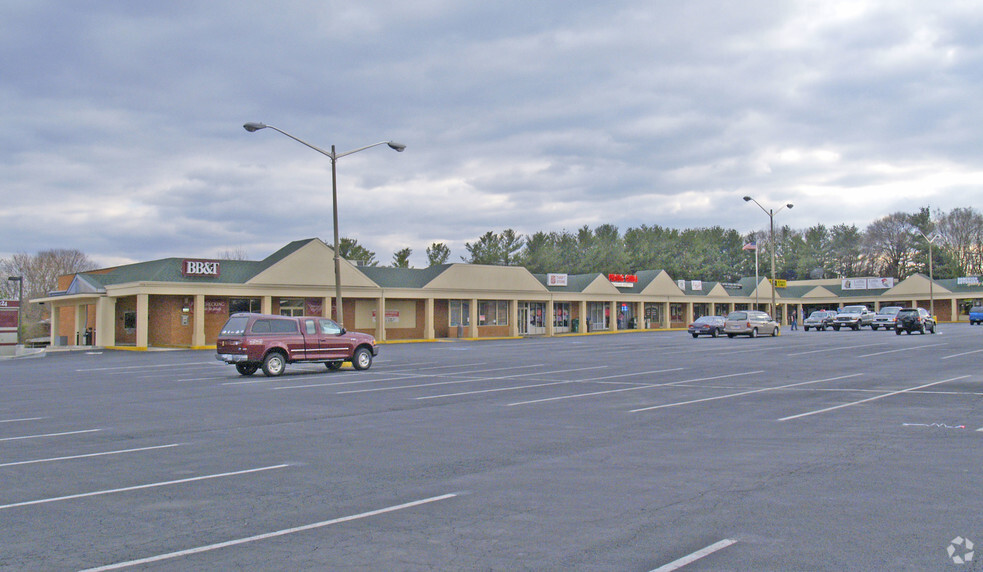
{"x": 123, "y": 132}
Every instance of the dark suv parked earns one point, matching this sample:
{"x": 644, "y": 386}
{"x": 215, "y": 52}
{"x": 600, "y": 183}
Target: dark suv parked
{"x": 914, "y": 320}
{"x": 251, "y": 341}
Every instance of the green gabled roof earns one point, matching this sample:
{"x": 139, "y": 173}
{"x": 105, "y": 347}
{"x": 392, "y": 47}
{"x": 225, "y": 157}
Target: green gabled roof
{"x": 952, "y": 284}
{"x": 795, "y": 291}
{"x": 645, "y": 277}
{"x": 403, "y": 277}
{"x": 575, "y": 282}
{"x": 169, "y": 270}
{"x": 707, "y": 287}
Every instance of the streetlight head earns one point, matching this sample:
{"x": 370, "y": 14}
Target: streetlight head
{"x": 789, "y": 205}
{"x": 748, "y": 198}
{"x": 15, "y": 278}
{"x": 254, "y": 126}
{"x": 399, "y": 147}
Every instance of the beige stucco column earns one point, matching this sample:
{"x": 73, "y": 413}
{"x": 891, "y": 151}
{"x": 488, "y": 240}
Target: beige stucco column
{"x": 639, "y": 315}
{"x": 428, "y": 329}
{"x": 380, "y": 319}
{"x": 326, "y": 307}
{"x": 582, "y": 315}
{"x": 513, "y": 318}
{"x": 106, "y": 321}
{"x": 613, "y": 311}
{"x": 266, "y": 305}
{"x": 550, "y": 318}
{"x": 143, "y": 320}
{"x": 473, "y": 313}
{"x": 55, "y": 324}
{"x": 688, "y": 313}
{"x": 954, "y": 310}
{"x": 198, "y": 335}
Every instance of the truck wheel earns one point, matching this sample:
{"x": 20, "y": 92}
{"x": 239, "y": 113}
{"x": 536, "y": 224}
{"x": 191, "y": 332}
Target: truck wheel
{"x": 874, "y": 328}
{"x": 806, "y": 328}
{"x": 696, "y": 336}
{"x": 273, "y": 364}
{"x": 246, "y": 368}
{"x": 932, "y": 329}
{"x": 362, "y": 359}
{"x": 333, "y": 365}
{"x": 897, "y": 332}
{"x": 855, "y": 328}
{"x": 837, "y": 328}
{"x": 730, "y": 335}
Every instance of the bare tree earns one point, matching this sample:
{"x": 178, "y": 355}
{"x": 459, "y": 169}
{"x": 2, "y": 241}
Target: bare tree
{"x": 961, "y": 231}
{"x": 40, "y": 273}
{"x": 237, "y": 253}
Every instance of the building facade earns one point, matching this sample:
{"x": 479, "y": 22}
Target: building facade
{"x": 184, "y": 302}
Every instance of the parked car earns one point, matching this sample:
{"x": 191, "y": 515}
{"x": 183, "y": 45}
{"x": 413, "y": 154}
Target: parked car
{"x": 976, "y": 315}
{"x": 853, "y": 317}
{"x": 819, "y": 320}
{"x": 886, "y": 318}
{"x": 914, "y": 320}
{"x": 251, "y": 341}
{"x": 750, "y": 323}
{"x": 707, "y": 326}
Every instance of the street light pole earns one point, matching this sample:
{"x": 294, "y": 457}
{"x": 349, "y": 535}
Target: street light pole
{"x": 334, "y": 156}
{"x": 771, "y": 217}
{"x": 20, "y": 304}
{"x": 931, "y": 276}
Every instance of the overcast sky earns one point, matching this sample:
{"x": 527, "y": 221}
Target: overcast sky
{"x": 122, "y": 121}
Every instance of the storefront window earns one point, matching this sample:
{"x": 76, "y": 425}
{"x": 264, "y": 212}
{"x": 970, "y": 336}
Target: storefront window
{"x": 676, "y": 312}
{"x": 291, "y": 306}
{"x": 493, "y": 313}
{"x": 237, "y": 305}
{"x": 457, "y": 308}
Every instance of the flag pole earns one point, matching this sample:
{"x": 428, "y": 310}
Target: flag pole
{"x": 757, "y": 281}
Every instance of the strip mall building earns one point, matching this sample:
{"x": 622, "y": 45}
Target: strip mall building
{"x": 178, "y": 302}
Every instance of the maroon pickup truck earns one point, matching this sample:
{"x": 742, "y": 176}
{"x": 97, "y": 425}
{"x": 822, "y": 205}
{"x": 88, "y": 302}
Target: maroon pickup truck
{"x": 251, "y": 341}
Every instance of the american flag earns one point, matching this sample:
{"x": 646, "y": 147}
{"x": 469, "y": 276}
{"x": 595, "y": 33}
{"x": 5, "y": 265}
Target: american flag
{"x": 753, "y": 245}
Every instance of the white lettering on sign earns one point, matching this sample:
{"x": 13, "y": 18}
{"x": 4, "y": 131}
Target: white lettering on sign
{"x": 202, "y": 267}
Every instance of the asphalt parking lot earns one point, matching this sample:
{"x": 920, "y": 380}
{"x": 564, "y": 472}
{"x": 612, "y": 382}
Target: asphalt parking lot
{"x": 635, "y": 451}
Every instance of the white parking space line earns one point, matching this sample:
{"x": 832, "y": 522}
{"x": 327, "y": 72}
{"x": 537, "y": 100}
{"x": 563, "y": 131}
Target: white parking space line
{"x": 649, "y": 386}
{"x": 517, "y": 387}
{"x": 835, "y": 407}
{"x": 398, "y": 377}
{"x": 739, "y": 394}
{"x": 836, "y": 349}
{"x": 691, "y": 558}
{"x": 469, "y": 380}
{"x": 962, "y": 354}
{"x": 50, "y": 435}
{"x": 172, "y": 365}
{"x": 141, "y": 487}
{"x": 900, "y": 350}
{"x": 258, "y": 537}
{"x": 87, "y": 455}
{"x": 21, "y": 419}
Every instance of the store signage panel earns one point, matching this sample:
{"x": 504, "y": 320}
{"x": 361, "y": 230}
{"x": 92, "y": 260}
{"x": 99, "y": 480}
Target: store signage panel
{"x": 867, "y": 283}
{"x": 556, "y": 279}
{"x": 205, "y": 268}
{"x": 623, "y": 280}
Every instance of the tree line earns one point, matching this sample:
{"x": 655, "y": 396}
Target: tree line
{"x": 896, "y": 245}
